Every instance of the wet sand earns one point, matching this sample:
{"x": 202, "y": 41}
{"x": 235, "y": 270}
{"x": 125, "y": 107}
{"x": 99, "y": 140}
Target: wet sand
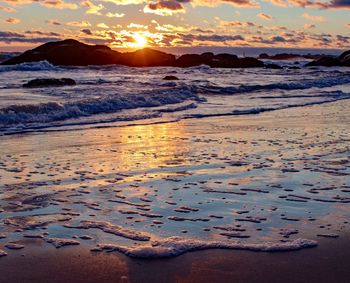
{"x": 53, "y": 180}
{"x": 326, "y": 263}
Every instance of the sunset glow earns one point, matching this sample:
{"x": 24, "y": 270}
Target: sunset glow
{"x": 140, "y": 41}
{"x": 173, "y": 23}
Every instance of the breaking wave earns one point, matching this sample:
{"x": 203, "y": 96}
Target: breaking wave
{"x": 293, "y": 85}
{"x": 33, "y": 66}
{"x": 53, "y": 111}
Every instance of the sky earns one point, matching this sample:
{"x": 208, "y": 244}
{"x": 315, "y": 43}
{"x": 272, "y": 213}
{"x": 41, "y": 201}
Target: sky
{"x": 134, "y": 24}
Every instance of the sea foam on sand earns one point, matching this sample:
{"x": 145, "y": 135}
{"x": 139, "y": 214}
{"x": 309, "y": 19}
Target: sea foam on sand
{"x": 175, "y": 246}
{"x": 112, "y": 229}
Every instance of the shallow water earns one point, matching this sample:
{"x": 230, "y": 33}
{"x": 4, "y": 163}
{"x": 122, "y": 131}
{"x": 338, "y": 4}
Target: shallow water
{"x": 106, "y": 94}
{"x": 275, "y": 181}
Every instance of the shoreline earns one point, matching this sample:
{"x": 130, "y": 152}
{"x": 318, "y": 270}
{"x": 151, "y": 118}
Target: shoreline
{"x": 43, "y": 263}
{"x": 151, "y": 121}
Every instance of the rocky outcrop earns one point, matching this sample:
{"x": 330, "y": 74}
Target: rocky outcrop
{"x": 343, "y": 60}
{"x": 217, "y": 61}
{"x": 49, "y": 82}
{"x": 72, "y": 52}
{"x": 170, "y": 78}
{"x": 147, "y": 58}
{"x": 68, "y": 52}
{"x": 288, "y": 56}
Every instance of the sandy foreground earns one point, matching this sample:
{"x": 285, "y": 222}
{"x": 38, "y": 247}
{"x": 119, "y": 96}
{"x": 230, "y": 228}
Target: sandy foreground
{"x": 58, "y": 159}
{"x": 326, "y": 263}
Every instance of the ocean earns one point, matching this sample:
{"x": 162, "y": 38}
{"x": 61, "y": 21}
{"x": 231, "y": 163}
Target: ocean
{"x": 105, "y": 94}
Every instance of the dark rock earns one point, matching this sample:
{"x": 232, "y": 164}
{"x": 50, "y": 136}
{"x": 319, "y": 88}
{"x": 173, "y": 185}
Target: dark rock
{"x": 170, "y": 78}
{"x": 68, "y": 52}
{"x": 147, "y": 58}
{"x": 207, "y": 57}
{"x": 273, "y": 66}
{"x": 345, "y": 56}
{"x": 217, "y": 61}
{"x": 326, "y": 62}
{"x": 343, "y": 60}
{"x": 189, "y": 60}
{"x": 224, "y": 60}
{"x": 72, "y": 52}
{"x": 287, "y": 56}
{"x": 247, "y": 62}
{"x": 225, "y": 57}
{"x": 264, "y": 56}
{"x": 49, "y": 82}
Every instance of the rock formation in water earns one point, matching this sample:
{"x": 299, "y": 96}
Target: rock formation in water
{"x": 71, "y": 52}
{"x": 343, "y": 60}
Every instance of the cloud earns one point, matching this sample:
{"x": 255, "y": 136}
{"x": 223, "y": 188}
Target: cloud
{"x": 339, "y": 4}
{"x": 56, "y": 4}
{"x": 314, "y": 18}
{"x": 136, "y": 26}
{"x": 309, "y": 26}
{"x": 53, "y": 22}
{"x": 79, "y": 24}
{"x": 92, "y": 8}
{"x": 9, "y": 34}
{"x": 102, "y": 25}
{"x": 343, "y": 39}
{"x": 126, "y": 2}
{"x": 41, "y": 33}
{"x": 332, "y": 4}
{"x": 238, "y": 24}
{"x": 7, "y": 9}
{"x": 35, "y": 37}
{"x": 189, "y": 39}
{"x": 86, "y": 31}
{"x": 12, "y": 21}
{"x": 165, "y": 7}
{"x": 115, "y": 15}
{"x": 265, "y": 16}
{"x": 237, "y": 3}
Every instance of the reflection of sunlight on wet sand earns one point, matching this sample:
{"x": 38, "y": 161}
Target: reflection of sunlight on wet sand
{"x": 150, "y": 146}
{"x": 98, "y": 152}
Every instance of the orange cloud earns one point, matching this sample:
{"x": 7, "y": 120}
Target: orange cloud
{"x": 265, "y": 16}
{"x": 165, "y": 7}
{"x": 314, "y": 18}
{"x": 12, "y": 21}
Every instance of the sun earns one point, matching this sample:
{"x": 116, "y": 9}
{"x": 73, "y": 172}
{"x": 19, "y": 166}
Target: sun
{"x": 140, "y": 40}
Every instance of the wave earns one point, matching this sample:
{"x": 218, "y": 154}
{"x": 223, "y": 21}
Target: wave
{"x": 335, "y": 96}
{"x": 53, "y": 111}
{"x": 302, "y": 84}
{"x": 32, "y": 66}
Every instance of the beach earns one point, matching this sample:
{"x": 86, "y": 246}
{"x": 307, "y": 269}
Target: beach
{"x": 265, "y": 198}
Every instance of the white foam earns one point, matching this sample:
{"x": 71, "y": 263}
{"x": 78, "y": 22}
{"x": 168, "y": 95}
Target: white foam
{"x": 56, "y": 111}
{"x": 112, "y": 229}
{"x": 60, "y": 242}
{"x": 175, "y": 246}
{"x": 33, "y": 66}
{"x": 3, "y": 253}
